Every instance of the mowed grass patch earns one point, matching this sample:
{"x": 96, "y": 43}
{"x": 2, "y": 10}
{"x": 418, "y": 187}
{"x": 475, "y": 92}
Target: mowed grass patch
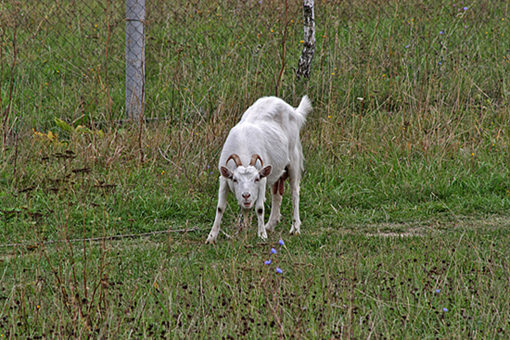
{"x": 449, "y": 283}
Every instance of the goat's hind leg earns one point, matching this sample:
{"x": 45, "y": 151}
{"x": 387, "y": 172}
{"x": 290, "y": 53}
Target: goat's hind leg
{"x": 277, "y": 191}
{"x": 276, "y": 203}
{"x": 294, "y": 178}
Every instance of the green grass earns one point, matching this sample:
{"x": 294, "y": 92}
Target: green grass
{"x": 334, "y": 283}
{"x": 405, "y": 192}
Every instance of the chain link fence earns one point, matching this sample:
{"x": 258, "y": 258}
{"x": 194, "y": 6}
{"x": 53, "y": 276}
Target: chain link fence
{"x": 80, "y": 60}
{"x": 67, "y": 58}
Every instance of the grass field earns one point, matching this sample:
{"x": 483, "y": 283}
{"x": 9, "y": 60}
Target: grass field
{"x": 405, "y": 197}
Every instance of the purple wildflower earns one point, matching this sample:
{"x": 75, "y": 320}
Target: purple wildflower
{"x": 445, "y": 309}
{"x": 281, "y": 243}
{"x": 268, "y": 262}
{"x": 278, "y": 270}
{"x": 273, "y": 251}
{"x": 438, "y": 291}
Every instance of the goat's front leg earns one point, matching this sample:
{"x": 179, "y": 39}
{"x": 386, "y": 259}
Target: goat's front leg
{"x": 220, "y": 210}
{"x": 259, "y": 208}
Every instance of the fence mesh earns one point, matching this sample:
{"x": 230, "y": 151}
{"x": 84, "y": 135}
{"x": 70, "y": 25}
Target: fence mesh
{"x": 66, "y": 55}
{"x": 67, "y": 58}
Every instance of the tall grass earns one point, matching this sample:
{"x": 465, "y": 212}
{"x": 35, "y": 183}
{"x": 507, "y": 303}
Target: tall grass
{"x": 405, "y": 195}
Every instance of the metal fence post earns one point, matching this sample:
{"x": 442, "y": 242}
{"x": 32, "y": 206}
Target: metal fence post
{"x": 135, "y": 58}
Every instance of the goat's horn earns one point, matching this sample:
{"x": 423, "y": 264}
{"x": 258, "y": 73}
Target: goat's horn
{"x": 236, "y": 159}
{"x": 254, "y": 158}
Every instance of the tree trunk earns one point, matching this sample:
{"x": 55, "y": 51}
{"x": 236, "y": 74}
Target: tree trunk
{"x": 305, "y": 61}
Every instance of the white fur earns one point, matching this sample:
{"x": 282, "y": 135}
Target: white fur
{"x": 269, "y": 128}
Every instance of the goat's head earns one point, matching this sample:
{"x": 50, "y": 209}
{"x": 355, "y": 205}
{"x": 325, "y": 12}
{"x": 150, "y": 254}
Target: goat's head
{"x": 246, "y": 180}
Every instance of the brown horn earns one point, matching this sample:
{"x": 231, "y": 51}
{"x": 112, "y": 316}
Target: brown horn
{"x": 236, "y": 159}
{"x": 254, "y": 158}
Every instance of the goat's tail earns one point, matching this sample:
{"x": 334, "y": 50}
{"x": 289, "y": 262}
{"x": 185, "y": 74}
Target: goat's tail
{"x": 303, "y": 109}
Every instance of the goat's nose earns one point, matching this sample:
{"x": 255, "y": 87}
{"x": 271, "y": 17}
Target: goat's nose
{"x": 246, "y": 195}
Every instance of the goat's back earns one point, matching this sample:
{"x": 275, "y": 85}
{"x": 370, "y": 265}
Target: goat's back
{"x": 271, "y": 110}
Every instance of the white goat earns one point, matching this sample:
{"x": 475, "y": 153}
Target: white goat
{"x": 268, "y": 133}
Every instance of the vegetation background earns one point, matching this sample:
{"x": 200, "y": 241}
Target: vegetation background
{"x": 405, "y": 196}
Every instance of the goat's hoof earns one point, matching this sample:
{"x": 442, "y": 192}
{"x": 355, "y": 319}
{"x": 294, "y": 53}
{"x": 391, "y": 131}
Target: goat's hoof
{"x": 263, "y": 236}
{"x": 269, "y": 228}
{"x": 210, "y": 240}
{"x": 294, "y": 231}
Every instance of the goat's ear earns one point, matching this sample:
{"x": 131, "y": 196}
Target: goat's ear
{"x": 265, "y": 171}
{"x": 225, "y": 172}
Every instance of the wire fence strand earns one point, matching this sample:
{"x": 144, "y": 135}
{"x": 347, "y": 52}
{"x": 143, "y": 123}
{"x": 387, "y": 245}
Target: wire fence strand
{"x": 103, "y": 238}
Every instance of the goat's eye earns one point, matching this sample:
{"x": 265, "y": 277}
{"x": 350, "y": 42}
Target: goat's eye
{"x": 234, "y": 180}
{"x": 257, "y": 180}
